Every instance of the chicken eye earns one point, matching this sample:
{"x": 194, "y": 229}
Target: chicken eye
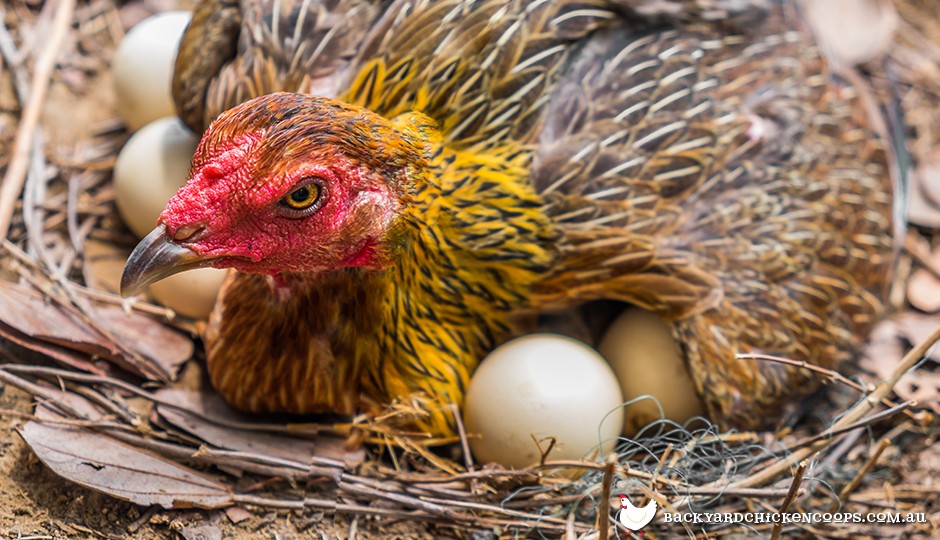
{"x": 304, "y": 199}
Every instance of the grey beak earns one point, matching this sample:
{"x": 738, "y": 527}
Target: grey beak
{"x": 157, "y": 256}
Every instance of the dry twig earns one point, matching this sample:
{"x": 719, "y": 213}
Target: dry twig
{"x": 853, "y": 484}
{"x": 791, "y": 494}
{"x": 851, "y": 417}
{"x": 15, "y": 174}
{"x": 603, "y": 514}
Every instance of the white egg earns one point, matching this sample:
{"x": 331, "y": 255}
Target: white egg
{"x": 150, "y": 169}
{"x": 643, "y": 353}
{"x": 852, "y": 31}
{"x": 143, "y": 68}
{"x": 191, "y": 293}
{"x": 542, "y": 386}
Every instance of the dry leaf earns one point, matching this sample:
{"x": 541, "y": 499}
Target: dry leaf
{"x": 30, "y": 320}
{"x": 927, "y": 176}
{"x": 61, "y": 354}
{"x": 104, "y": 464}
{"x": 923, "y": 387}
{"x": 165, "y": 346}
{"x": 852, "y": 31}
{"x": 884, "y": 353}
{"x": 131, "y": 14}
{"x": 75, "y": 404}
{"x": 928, "y": 465}
{"x": 210, "y": 405}
{"x": 923, "y": 289}
{"x": 32, "y": 315}
{"x": 200, "y": 532}
{"x": 74, "y": 78}
{"x": 237, "y": 514}
{"x": 920, "y": 210}
{"x": 916, "y": 328}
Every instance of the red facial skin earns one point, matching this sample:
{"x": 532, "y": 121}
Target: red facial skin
{"x": 234, "y": 199}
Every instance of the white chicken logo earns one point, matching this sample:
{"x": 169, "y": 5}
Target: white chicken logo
{"x": 635, "y": 518}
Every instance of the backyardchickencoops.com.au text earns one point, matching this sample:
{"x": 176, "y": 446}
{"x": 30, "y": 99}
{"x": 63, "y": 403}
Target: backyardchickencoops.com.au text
{"x": 794, "y": 517}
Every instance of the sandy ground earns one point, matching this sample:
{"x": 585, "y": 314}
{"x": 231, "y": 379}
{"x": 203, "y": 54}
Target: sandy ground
{"x": 36, "y": 504}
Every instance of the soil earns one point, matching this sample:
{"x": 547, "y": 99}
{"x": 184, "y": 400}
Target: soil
{"x": 36, "y": 504}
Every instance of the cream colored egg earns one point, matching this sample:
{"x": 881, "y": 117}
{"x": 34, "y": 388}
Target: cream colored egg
{"x": 150, "y": 169}
{"x": 142, "y": 68}
{"x": 643, "y": 353}
{"x": 852, "y": 31}
{"x": 191, "y": 293}
{"x": 542, "y": 386}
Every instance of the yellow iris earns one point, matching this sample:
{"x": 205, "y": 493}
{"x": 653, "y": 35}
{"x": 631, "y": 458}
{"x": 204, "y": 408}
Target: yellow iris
{"x": 303, "y": 197}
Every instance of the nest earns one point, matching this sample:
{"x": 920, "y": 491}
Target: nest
{"x": 121, "y": 406}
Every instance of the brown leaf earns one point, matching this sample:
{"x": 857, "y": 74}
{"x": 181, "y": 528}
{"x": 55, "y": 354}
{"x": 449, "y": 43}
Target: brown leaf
{"x": 104, "y": 464}
{"x": 74, "y": 78}
{"x": 922, "y": 211}
{"x": 885, "y": 351}
{"x": 29, "y": 313}
{"x": 924, "y": 200}
{"x": 72, "y": 402}
{"x": 927, "y": 176}
{"x": 921, "y": 386}
{"x": 165, "y": 346}
{"x": 923, "y": 289}
{"x": 56, "y": 352}
{"x": 237, "y": 514}
{"x": 928, "y": 465}
{"x": 916, "y": 328}
{"x": 132, "y": 13}
{"x": 60, "y": 331}
{"x": 201, "y": 532}
{"x": 210, "y": 405}
{"x": 154, "y": 340}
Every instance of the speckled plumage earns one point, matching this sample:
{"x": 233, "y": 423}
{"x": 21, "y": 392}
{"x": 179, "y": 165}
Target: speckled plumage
{"x": 568, "y": 151}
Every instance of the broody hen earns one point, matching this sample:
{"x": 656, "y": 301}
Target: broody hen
{"x": 479, "y": 161}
